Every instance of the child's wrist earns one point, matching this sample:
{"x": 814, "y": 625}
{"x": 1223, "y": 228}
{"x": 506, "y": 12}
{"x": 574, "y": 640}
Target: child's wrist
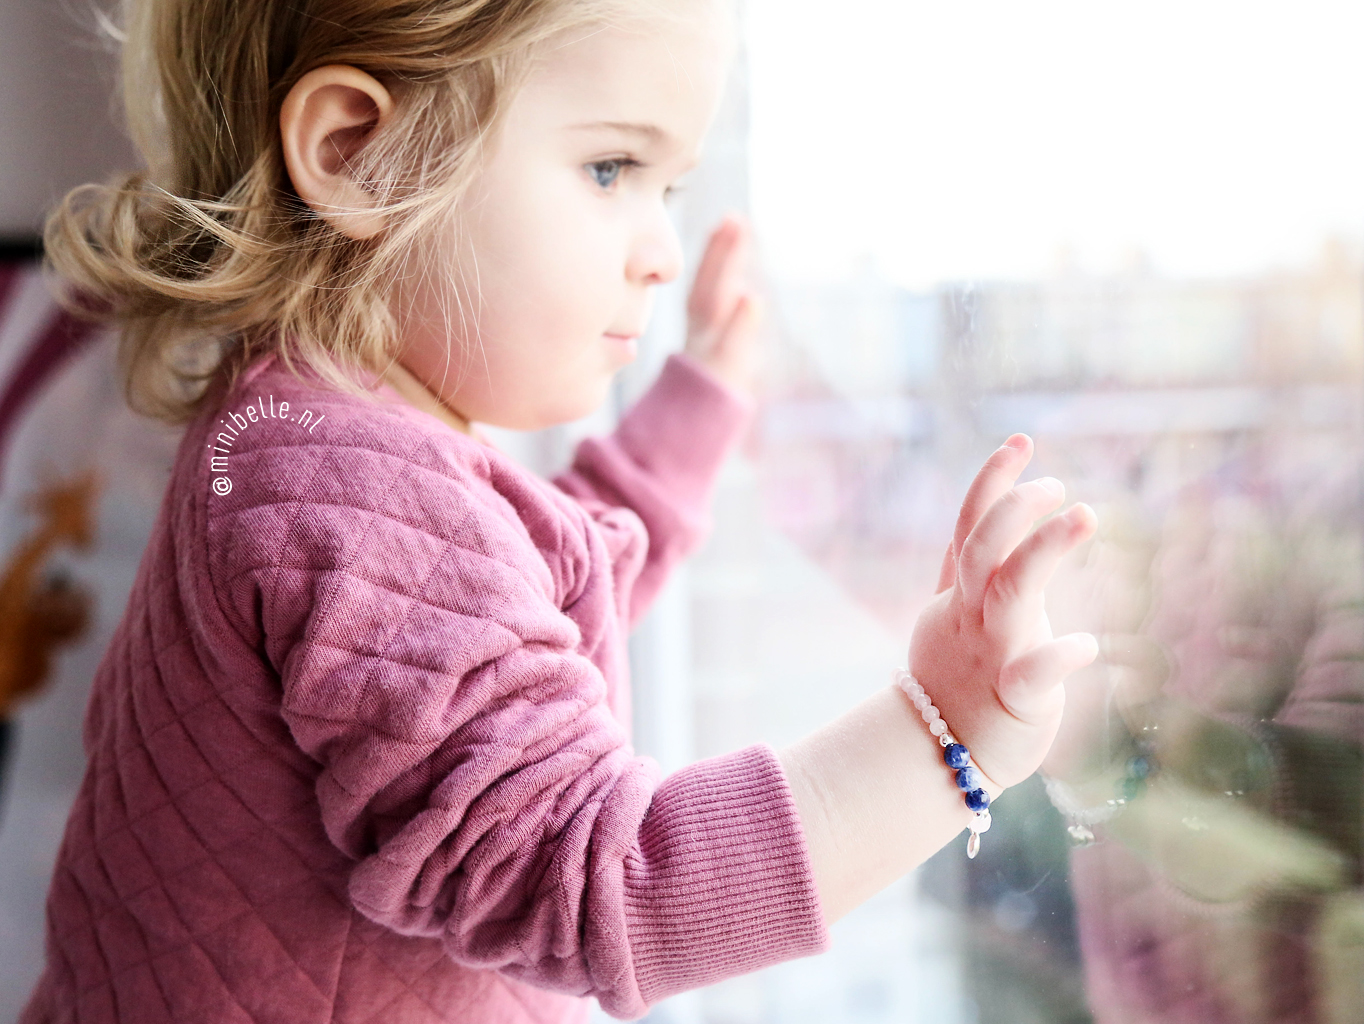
{"x": 978, "y": 790}
{"x": 930, "y": 777}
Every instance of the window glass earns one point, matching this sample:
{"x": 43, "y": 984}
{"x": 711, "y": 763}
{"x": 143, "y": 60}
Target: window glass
{"x": 1136, "y": 232}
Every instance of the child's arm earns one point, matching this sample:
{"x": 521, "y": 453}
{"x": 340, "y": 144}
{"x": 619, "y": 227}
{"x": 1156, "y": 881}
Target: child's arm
{"x": 431, "y": 615}
{"x": 465, "y": 761}
{"x": 662, "y": 460}
{"x": 874, "y": 796}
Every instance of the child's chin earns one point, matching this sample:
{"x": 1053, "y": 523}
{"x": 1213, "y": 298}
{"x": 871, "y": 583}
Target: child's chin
{"x": 568, "y": 408}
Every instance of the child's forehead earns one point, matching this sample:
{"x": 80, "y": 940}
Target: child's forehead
{"x": 655, "y": 76}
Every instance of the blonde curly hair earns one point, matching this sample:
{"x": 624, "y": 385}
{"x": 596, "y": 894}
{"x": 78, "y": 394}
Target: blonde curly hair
{"x": 208, "y": 257}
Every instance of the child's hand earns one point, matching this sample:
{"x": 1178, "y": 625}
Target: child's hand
{"x": 723, "y": 311}
{"x": 983, "y": 648}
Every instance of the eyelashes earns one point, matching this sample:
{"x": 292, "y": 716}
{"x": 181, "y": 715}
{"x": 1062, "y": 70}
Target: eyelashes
{"x": 605, "y": 173}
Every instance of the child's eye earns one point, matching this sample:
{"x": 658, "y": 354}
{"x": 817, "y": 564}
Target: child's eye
{"x": 605, "y": 172}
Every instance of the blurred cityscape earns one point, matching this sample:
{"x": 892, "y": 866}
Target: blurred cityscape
{"x": 885, "y": 401}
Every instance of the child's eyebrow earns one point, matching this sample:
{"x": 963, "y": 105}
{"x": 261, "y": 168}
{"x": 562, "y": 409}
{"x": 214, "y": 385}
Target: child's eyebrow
{"x": 650, "y": 131}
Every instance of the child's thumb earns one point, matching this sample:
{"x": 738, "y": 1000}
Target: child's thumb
{"x": 1029, "y": 686}
{"x": 744, "y": 322}
{"x": 734, "y": 348}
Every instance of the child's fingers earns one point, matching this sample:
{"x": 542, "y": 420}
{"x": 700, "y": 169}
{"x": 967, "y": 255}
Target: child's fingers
{"x": 1030, "y": 685}
{"x": 741, "y": 330}
{"x": 717, "y": 274}
{"x": 947, "y": 575}
{"x": 1000, "y": 531}
{"x": 1027, "y": 571}
{"x": 995, "y": 478}
{"x": 733, "y": 353}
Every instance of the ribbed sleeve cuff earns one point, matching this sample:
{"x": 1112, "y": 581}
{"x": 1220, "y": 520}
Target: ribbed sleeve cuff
{"x": 724, "y": 884}
{"x": 682, "y": 428}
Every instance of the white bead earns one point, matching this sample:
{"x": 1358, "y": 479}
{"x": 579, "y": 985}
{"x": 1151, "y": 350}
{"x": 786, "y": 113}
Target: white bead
{"x": 922, "y": 701}
{"x": 929, "y": 713}
{"x": 937, "y": 727}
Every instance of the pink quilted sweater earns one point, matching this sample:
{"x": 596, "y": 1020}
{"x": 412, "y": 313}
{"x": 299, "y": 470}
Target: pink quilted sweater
{"x": 359, "y": 750}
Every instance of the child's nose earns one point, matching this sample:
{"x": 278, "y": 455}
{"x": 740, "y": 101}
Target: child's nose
{"x": 656, "y": 255}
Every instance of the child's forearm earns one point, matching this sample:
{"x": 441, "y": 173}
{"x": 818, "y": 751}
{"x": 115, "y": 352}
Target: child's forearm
{"x": 873, "y": 792}
{"x": 875, "y": 799}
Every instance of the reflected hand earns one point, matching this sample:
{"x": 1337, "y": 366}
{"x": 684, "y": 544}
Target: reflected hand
{"x": 1127, "y": 681}
{"x": 983, "y": 648}
{"x": 723, "y": 311}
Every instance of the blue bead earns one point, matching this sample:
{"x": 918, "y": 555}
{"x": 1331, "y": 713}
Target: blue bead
{"x": 977, "y": 799}
{"x": 956, "y": 755}
{"x": 1139, "y": 767}
{"x": 968, "y": 779}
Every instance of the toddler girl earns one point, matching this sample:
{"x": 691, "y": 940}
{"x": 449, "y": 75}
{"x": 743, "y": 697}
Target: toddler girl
{"x": 359, "y": 749}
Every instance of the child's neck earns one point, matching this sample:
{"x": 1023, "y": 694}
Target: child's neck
{"x": 420, "y": 397}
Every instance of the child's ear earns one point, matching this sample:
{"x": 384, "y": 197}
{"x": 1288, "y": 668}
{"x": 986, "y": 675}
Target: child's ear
{"x": 328, "y": 116}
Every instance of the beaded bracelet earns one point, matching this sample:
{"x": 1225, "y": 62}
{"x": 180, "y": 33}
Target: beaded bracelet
{"x": 956, "y": 757}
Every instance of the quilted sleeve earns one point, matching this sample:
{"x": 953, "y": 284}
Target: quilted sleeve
{"x": 661, "y": 462}
{"x": 467, "y": 760}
